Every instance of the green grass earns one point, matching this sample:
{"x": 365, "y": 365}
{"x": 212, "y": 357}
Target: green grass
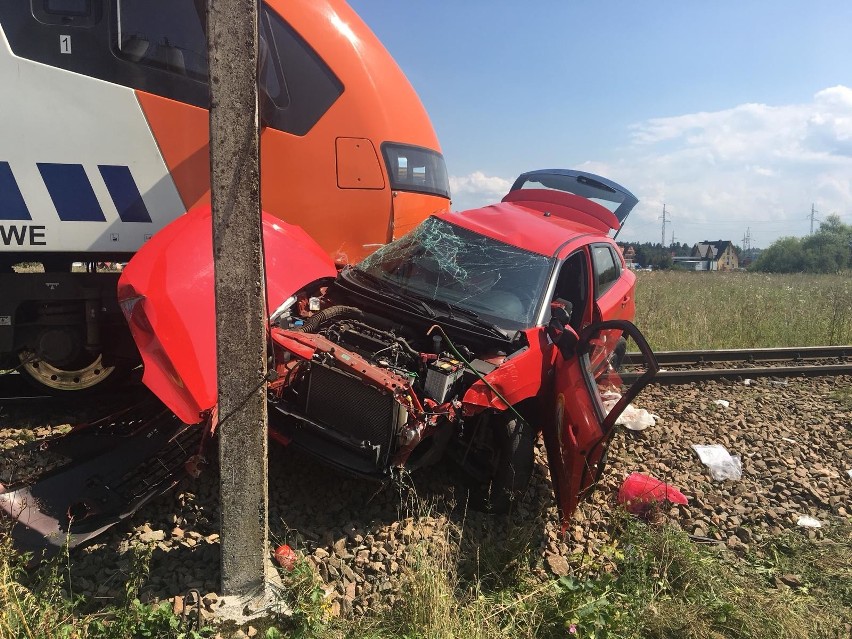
{"x": 678, "y": 310}
{"x": 652, "y": 582}
{"x": 38, "y": 604}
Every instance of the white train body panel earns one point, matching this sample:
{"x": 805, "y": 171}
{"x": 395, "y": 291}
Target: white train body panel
{"x": 75, "y": 124}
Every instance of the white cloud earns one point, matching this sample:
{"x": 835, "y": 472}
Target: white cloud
{"x": 477, "y": 189}
{"x": 753, "y": 165}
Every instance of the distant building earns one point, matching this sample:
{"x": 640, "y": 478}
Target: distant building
{"x": 629, "y": 254}
{"x": 710, "y": 256}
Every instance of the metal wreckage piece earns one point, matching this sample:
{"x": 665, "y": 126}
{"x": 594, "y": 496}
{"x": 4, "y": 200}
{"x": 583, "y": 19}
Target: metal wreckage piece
{"x": 102, "y": 473}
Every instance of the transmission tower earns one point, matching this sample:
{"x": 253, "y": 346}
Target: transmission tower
{"x": 813, "y": 216}
{"x": 747, "y": 240}
{"x": 665, "y": 221}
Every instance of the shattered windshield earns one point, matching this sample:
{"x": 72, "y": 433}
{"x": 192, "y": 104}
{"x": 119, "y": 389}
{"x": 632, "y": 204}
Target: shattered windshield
{"x": 442, "y": 262}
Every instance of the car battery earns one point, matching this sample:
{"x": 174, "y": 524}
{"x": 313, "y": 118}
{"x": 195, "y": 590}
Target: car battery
{"x": 442, "y": 378}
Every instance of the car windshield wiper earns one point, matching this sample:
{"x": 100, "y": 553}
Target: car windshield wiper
{"x": 388, "y": 290}
{"x": 451, "y": 308}
{"x": 468, "y": 316}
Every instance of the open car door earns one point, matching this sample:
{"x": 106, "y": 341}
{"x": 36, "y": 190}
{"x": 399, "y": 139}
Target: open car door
{"x": 593, "y": 382}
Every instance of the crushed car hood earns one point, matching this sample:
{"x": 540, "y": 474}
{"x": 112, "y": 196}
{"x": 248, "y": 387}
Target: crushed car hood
{"x": 167, "y": 294}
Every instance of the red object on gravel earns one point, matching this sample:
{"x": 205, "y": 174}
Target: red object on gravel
{"x": 286, "y": 557}
{"x": 639, "y": 492}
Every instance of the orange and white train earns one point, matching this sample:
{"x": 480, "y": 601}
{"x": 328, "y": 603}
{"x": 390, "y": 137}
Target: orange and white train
{"x": 104, "y": 140}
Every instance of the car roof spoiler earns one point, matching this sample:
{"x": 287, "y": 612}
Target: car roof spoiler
{"x": 612, "y": 196}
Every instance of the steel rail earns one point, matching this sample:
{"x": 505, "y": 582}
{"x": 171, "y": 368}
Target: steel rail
{"x": 665, "y": 377}
{"x": 788, "y": 354}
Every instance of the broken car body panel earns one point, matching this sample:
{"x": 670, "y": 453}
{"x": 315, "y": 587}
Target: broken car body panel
{"x": 102, "y": 473}
{"x": 167, "y": 295}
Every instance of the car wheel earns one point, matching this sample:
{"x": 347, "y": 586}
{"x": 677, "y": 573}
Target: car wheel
{"x": 514, "y": 441}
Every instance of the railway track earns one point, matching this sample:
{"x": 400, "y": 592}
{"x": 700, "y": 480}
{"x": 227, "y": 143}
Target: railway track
{"x": 688, "y": 366}
{"x": 692, "y": 366}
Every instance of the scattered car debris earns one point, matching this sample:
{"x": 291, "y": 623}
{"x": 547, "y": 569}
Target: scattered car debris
{"x": 719, "y": 461}
{"x": 640, "y": 492}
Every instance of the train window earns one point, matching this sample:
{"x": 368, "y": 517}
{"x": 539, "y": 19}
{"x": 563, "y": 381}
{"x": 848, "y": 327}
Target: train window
{"x": 72, "y": 13}
{"x": 298, "y": 87}
{"x": 166, "y": 34}
{"x": 414, "y": 168}
{"x": 68, "y": 7}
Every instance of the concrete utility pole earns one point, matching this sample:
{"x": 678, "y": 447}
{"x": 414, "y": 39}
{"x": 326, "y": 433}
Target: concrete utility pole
{"x": 240, "y": 305}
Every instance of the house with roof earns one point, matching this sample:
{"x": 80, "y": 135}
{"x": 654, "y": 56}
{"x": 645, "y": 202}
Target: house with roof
{"x": 711, "y": 256}
{"x": 629, "y": 254}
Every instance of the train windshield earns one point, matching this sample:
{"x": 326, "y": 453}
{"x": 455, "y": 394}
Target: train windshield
{"x": 414, "y": 168}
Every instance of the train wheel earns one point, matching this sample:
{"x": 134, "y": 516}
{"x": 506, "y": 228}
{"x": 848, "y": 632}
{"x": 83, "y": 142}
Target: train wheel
{"x": 69, "y": 379}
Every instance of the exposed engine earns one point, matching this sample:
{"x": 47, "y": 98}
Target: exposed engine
{"x": 371, "y": 388}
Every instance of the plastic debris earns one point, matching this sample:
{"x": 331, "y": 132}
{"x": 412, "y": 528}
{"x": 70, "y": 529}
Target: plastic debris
{"x": 631, "y": 418}
{"x": 724, "y": 403}
{"x": 748, "y": 382}
{"x": 849, "y": 472}
{"x": 808, "y": 522}
{"x": 286, "y": 557}
{"x": 639, "y": 492}
{"x": 720, "y": 462}
{"x": 788, "y": 440}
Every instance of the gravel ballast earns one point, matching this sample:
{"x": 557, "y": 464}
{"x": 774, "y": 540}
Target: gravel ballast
{"x": 793, "y": 438}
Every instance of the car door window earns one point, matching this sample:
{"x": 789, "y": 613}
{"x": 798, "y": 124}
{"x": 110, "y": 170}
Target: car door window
{"x": 572, "y": 286}
{"x": 606, "y": 268}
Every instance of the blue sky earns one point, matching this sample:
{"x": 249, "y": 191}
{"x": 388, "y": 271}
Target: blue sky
{"x": 736, "y": 115}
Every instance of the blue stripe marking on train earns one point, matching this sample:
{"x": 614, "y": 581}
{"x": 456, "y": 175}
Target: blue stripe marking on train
{"x": 125, "y": 194}
{"x": 12, "y": 205}
{"x": 71, "y": 192}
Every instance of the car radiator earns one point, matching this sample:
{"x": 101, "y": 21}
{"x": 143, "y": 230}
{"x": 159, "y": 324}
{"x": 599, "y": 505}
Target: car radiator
{"x": 354, "y": 409}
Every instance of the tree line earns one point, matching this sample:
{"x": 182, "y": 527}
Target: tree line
{"x": 829, "y": 250}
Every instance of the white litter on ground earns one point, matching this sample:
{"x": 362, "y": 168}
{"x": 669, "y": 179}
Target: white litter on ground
{"x": 748, "y": 382}
{"x": 721, "y": 464}
{"x": 808, "y": 522}
{"x": 724, "y": 403}
{"x": 631, "y": 418}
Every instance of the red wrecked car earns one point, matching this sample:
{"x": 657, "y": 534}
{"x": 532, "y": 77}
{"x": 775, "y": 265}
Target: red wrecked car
{"x": 469, "y": 337}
